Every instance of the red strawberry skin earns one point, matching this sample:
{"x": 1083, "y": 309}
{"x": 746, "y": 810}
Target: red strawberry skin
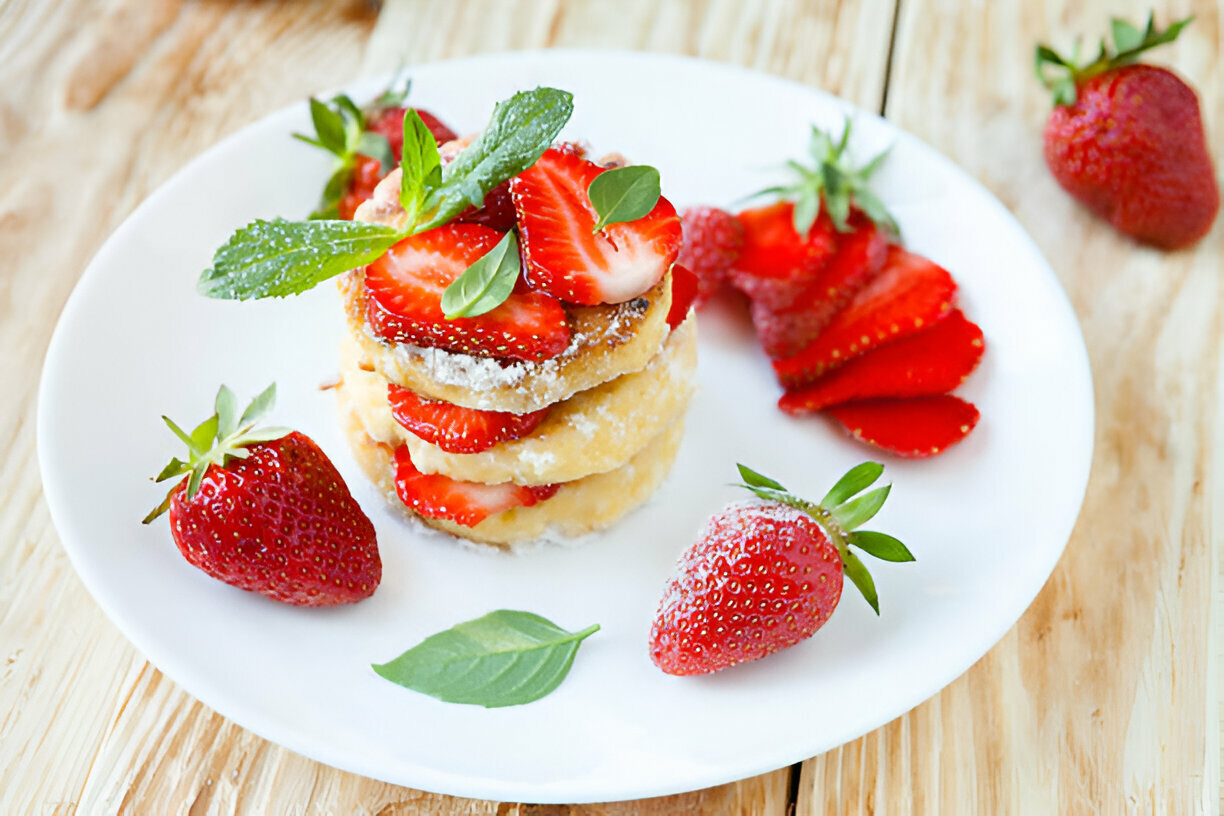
{"x": 390, "y": 123}
{"x": 713, "y": 239}
{"x": 456, "y": 429}
{"x": 776, "y": 263}
{"x": 913, "y": 428}
{"x": 760, "y": 577}
{"x": 282, "y": 523}
{"x": 564, "y": 257}
{"x": 1132, "y": 149}
{"x": 367, "y": 173}
{"x": 909, "y": 294}
{"x": 405, "y": 288}
{"x": 931, "y": 362}
{"x": 467, "y": 503}
{"x": 685, "y": 293}
{"x": 859, "y": 256}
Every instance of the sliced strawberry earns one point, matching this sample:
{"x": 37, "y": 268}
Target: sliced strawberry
{"x": 860, "y": 255}
{"x": 390, "y": 123}
{"x": 456, "y": 429}
{"x": 776, "y": 263}
{"x": 931, "y": 362}
{"x": 468, "y": 503}
{"x": 914, "y": 428}
{"x": 406, "y": 285}
{"x": 685, "y": 291}
{"x": 569, "y": 261}
{"x": 496, "y": 213}
{"x": 712, "y": 242}
{"x": 909, "y": 294}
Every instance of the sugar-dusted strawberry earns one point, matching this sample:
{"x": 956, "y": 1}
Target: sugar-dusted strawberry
{"x": 931, "y": 362}
{"x": 456, "y": 429}
{"x": 765, "y": 575}
{"x": 405, "y": 288}
{"x": 685, "y": 294}
{"x": 1127, "y": 140}
{"x": 859, "y": 256}
{"x": 777, "y": 262}
{"x": 263, "y": 509}
{"x": 563, "y": 253}
{"x": 909, "y": 294}
{"x": 914, "y": 428}
{"x": 712, "y": 242}
{"x": 468, "y": 503}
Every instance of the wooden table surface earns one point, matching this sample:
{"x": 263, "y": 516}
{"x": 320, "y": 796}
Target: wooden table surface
{"x": 1102, "y": 699}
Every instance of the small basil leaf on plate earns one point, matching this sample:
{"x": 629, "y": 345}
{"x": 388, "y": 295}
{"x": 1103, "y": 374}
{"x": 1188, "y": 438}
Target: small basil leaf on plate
{"x": 520, "y": 130}
{"x": 504, "y": 658}
{"x": 279, "y": 258}
{"x": 624, "y": 194}
{"x": 486, "y": 284}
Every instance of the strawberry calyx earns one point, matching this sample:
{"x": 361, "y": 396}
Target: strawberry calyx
{"x": 1063, "y": 76}
{"x": 223, "y": 436}
{"x": 833, "y": 183}
{"x": 840, "y": 513}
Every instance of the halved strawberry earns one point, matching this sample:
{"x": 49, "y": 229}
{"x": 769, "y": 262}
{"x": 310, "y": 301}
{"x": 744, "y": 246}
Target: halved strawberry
{"x": 406, "y": 285}
{"x": 456, "y": 429}
{"x": 931, "y": 362}
{"x": 685, "y": 292}
{"x": 909, "y": 294}
{"x": 468, "y": 503}
{"x": 914, "y": 428}
{"x": 565, "y": 258}
{"x": 860, "y": 255}
{"x": 712, "y": 242}
{"x": 776, "y": 263}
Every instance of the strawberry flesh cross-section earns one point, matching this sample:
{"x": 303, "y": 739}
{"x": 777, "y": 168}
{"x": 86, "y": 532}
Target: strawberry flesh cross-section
{"x": 466, "y": 503}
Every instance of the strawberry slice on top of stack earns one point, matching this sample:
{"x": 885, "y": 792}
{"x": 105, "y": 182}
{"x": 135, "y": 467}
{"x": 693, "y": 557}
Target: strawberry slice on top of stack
{"x": 854, "y": 324}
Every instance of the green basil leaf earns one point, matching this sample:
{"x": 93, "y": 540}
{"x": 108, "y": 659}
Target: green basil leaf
{"x": 420, "y": 164}
{"x": 279, "y": 258}
{"x": 624, "y": 194}
{"x": 486, "y": 284}
{"x": 753, "y": 479}
{"x": 857, "y": 479}
{"x": 502, "y": 659}
{"x": 880, "y": 545}
{"x": 861, "y": 578}
{"x": 329, "y": 127}
{"x": 861, "y": 510}
{"x": 520, "y": 130}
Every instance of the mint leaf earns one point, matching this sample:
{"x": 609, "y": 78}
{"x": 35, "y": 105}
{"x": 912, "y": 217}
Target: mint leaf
{"x": 502, "y": 659}
{"x": 520, "y": 130}
{"x": 624, "y": 194}
{"x": 857, "y": 479}
{"x": 279, "y": 258}
{"x": 329, "y": 127}
{"x": 486, "y": 284}
{"x": 420, "y": 164}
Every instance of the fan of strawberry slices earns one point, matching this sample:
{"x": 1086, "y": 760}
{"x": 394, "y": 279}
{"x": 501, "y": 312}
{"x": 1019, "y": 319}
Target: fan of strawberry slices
{"x": 854, "y": 324}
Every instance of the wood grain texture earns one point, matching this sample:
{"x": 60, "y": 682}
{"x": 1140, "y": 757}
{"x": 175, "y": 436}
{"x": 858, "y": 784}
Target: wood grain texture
{"x": 103, "y": 101}
{"x": 1103, "y": 698}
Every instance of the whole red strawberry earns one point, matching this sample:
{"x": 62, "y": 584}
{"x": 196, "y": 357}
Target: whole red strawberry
{"x": 764, "y": 575}
{"x": 1127, "y": 140}
{"x": 263, "y": 509}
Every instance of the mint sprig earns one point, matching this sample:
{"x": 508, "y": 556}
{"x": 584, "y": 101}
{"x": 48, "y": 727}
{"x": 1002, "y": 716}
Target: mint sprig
{"x": 504, "y": 658}
{"x": 1063, "y": 75}
{"x": 277, "y": 258}
{"x": 843, "y": 509}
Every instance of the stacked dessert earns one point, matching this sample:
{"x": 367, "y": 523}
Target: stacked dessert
{"x": 555, "y": 412}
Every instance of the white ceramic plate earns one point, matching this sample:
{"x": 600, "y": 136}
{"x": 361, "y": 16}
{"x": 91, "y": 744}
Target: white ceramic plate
{"x": 987, "y": 520}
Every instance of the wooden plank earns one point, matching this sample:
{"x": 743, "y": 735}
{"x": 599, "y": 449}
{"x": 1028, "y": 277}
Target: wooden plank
{"x": 1101, "y": 699}
{"x": 102, "y": 103}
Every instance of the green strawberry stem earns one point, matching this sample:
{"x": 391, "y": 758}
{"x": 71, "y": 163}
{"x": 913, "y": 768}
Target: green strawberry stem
{"x": 223, "y": 436}
{"x": 1063, "y": 76}
{"x": 843, "y": 509}
{"x": 834, "y": 183}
